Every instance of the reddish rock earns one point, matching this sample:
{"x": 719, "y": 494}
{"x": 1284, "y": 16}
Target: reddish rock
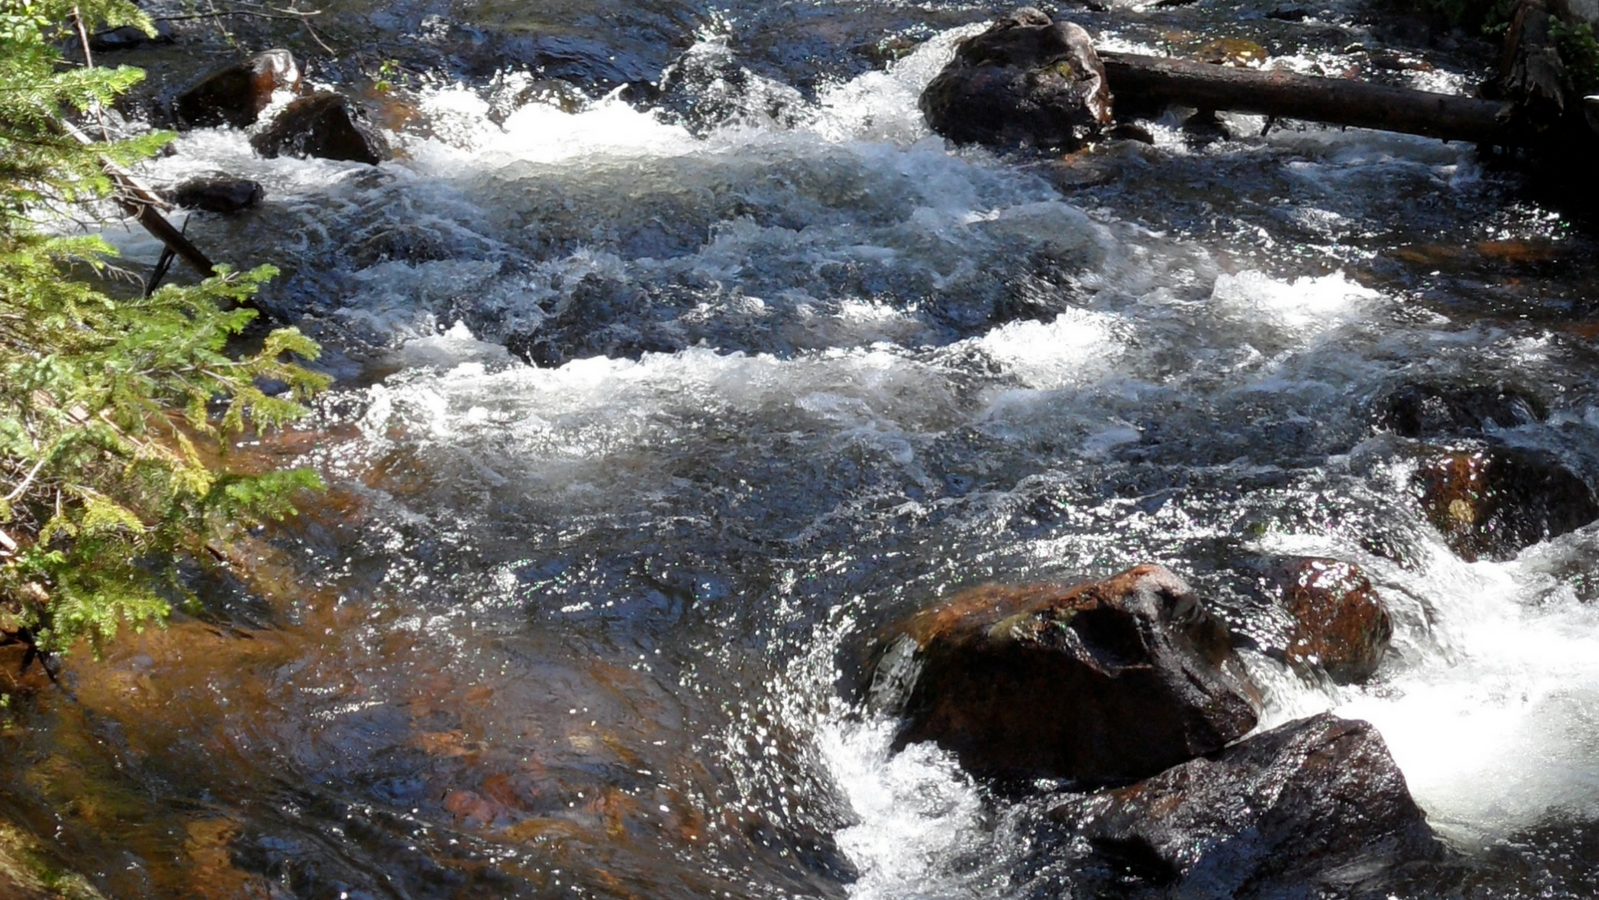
{"x": 1339, "y": 623}
{"x": 1026, "y": 80}
{"x": 1103, "y": 682}
{"x": 1491, "y": 500}
{"x": 1316, "y": 805}
{"x": 235, "y": 94}
{"x": 327, "y": 126}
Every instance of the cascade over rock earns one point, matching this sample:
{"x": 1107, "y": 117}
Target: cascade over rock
{"x": 1490, "y": 500}
{"x": 235, "y": 94}
{"x": 1026, "y": 80}
{"x": 1103, "y": 682}
{"x": 327, "y": 126}
{"x": 1418, "y": 410}
{"x": 1314, "y": 802}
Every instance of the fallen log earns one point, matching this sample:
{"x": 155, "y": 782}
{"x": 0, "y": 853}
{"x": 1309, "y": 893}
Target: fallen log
{"x": 1149, "y": 80}
{"x": 139, "y": 201}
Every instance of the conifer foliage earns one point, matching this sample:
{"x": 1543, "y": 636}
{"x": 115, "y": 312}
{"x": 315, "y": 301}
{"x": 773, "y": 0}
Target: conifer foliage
{"x": 113, "y": 413}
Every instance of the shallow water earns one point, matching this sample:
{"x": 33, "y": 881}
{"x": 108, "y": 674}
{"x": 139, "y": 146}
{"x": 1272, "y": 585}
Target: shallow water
{"x": 598, "y": 627}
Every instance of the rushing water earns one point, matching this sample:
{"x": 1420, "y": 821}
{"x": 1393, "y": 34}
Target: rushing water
{"x": 597, "y": 628}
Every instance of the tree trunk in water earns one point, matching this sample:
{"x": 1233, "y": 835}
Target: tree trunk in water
{"x": 1143, "y": 80}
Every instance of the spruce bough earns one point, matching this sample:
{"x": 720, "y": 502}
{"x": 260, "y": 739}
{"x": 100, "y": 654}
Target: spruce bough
{"x": 114, "y": 413}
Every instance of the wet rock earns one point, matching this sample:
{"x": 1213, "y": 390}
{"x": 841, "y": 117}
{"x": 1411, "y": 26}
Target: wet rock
{"x": 550, "y": 92}
{"x": 218, "y": 194}
{"x": 1317, "y": 803}
{"x": 1103, "y": 682}
{"x": 326, "y": 126}
{"x": 1204, "y": 128}
{"x": 1490, "y": 500}
{"x": 1024, "y": 81}
{"x": 129, "y": 37}
{"x": 235, "y": 94}
{"x": 1430, "y": 410}
{"x": 1339, "y": 623}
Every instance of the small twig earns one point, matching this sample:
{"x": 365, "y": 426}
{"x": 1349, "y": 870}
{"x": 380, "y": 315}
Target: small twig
{"x": 83, "y": 37}
{"x": 162, "y": 266}
{"x": 28, "y": 481}
{"x": 317, "y": 37}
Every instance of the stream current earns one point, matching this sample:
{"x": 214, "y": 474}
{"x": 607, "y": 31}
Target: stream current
{"x": 599, "y": 627}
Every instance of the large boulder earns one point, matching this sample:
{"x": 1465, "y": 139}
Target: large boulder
{"x": 1338, "y": 623}
{"x": 1312, "y": 807}
{"x": 1025, "y": 81}
{"x": 1100, "y": 683}
{"x": 235, "y": 94}
{"x": 1490, "y": 500}
{"x": 324, "y": 125}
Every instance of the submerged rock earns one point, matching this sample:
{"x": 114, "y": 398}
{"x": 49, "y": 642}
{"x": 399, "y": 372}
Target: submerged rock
{"x": 1430, "y": 410}
{"x": 1318, "y": 802}
{"x": 129, "y": 37}
{"x": 1491, "y": 500}
{"x": 325, "y": 125}
{"x": 1026, "y": 80}
{"x": 235, "y": 94}
{"x": 1339, "y": 623}
{"x": 218, "y": 194}
{"x": 1103, "y": 682}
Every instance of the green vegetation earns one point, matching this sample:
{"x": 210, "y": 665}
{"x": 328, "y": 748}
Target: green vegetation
{"x": 1580, "y": 52}
{"x": 113, "y": 412}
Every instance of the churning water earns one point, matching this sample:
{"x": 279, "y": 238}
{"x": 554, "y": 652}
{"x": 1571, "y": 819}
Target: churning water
{"x": 598, "y": 627}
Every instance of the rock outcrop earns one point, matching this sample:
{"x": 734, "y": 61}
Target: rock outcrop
{"x": 1101, "y": 683}
{"x": 1490, "y": 500}
{"x": 235, "y": 94}
{"x": 1318, "y": 802}
{"x": 1027, "y": 80}
{"x": 324, "y": 125}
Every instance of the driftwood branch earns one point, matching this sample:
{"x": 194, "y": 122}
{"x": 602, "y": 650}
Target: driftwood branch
{"x": 145, "y": 205}
{"x": 1334, "y": 101}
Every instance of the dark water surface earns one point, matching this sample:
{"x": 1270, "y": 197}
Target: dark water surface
{"x": 596, "y": 628}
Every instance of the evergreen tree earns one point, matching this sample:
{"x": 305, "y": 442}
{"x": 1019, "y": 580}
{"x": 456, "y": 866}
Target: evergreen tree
{"x": 113, "y": 413}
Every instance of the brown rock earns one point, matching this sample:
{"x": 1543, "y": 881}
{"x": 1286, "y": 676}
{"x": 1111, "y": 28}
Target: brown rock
{"x": 235, "y": 94}
{"x": 327, "y": 126}
{"x": 1316, "y": 803}
{"x": 1026, "y": 80}
{"x": 1491, "y": 500}
{"x": 1102, "y": 682}
{"x": 1339, "y": 624}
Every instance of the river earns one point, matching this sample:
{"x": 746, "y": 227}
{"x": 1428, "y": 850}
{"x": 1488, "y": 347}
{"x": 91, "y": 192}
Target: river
{"x": 599, "y": 627}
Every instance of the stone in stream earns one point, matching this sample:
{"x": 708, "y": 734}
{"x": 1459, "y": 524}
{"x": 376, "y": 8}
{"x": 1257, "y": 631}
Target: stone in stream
{"x": 1418, "y": 410}
{"x": 1103, "y": 682}
{"x": 1491, "y": 500}
{"x": 1339, "y": 625}
{"x": 235, "y": 94}
{"x": 1025, "y": 81}
{"x": 217, "y": 193}
{"x": 1311, "y": 807}
{"x": 324, "y": 125}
